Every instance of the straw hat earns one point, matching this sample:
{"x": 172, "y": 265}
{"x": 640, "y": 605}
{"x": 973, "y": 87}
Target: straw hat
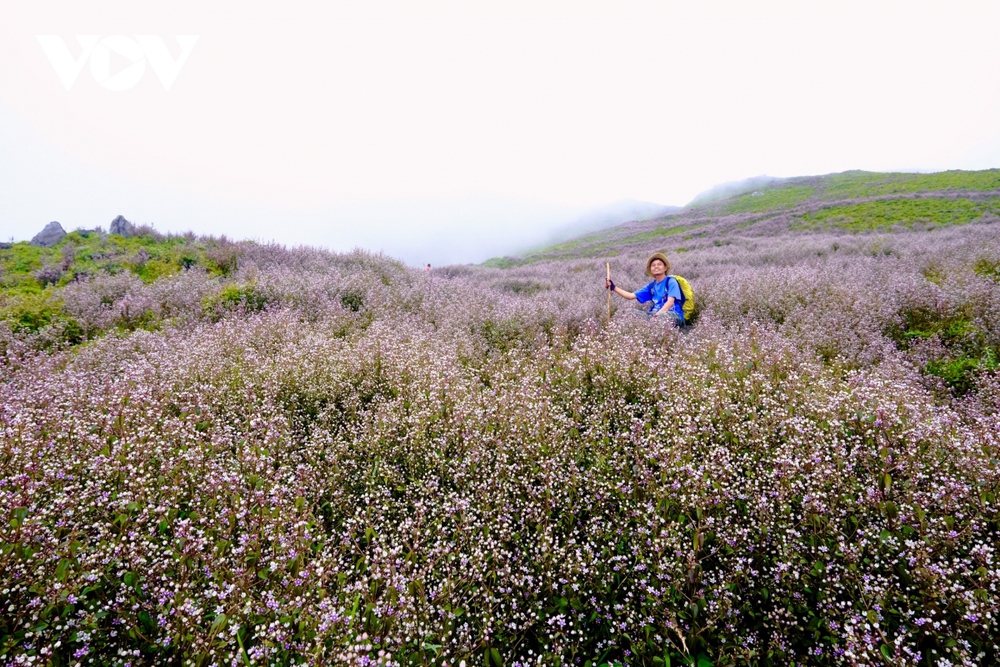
{"x": 660, "y": 256}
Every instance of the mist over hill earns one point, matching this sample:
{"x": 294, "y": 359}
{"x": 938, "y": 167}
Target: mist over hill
{"x": 852, "y": 201}
{"x": 603, "y": 217}
{"x": 725, "y": 190}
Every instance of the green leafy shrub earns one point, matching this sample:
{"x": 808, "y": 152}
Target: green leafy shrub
{"x": 352, "y": 300}
{"x": 33, "y": 313}
{"x": 246, "y": 297}
{"x": 222, "y": 257}
{"x": 969, "y": 352}
{"x": 501, "y": 335}
{"x": 960, "y": 373}
{"x": 988, "y": 268}
{"x": 30, "y": 312}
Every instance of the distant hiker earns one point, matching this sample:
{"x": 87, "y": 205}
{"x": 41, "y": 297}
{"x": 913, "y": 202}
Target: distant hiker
{"x": 671, "y": 296}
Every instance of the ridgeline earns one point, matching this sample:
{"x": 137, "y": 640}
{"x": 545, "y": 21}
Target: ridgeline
{"x": 854, "y": 201}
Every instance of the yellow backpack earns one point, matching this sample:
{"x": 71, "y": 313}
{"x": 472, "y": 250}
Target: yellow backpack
{"x": 688, "y": 304}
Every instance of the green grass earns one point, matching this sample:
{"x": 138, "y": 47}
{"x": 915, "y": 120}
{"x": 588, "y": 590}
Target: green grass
{"x": 592, "y": 245}
{"x": 658, "y": 233}
{"x": 786, "y": 194}
{"x": 585, "y": 246}
{"x": 769, "y": 199}
{"x": 881, "y": 215}
{"x": 858, "y": 184}
{"x": 503, "y": 262}
{"x": 566, "y": 246}
{"x": 581, "y": 243}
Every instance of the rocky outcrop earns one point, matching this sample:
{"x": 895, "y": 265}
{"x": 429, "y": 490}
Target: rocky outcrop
{"x": 51, "y": 235}
{"x": 122, "y": 226}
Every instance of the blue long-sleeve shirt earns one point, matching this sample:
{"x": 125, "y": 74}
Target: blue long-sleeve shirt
{"x": 659, "y": 292}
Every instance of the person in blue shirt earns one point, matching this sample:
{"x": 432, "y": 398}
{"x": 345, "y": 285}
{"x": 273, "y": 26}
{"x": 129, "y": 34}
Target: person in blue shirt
{"x": 664, "y": 293}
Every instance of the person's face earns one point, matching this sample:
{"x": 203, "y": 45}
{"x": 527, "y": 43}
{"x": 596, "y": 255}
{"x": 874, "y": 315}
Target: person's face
{"x": 657, "y": 267}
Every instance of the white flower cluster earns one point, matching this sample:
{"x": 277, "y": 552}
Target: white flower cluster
{"x": 386, "y": 467}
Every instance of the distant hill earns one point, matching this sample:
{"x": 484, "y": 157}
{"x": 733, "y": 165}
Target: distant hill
{"x": 855, "y": 201}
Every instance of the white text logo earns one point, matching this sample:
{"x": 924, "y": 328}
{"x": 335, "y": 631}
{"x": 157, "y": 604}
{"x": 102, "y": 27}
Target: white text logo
{"x": 136, "y": 51}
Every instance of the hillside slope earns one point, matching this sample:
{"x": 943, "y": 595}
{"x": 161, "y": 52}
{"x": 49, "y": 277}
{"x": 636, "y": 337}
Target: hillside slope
{"x": 231, "y": 453}
{"x": 854, "y": 201}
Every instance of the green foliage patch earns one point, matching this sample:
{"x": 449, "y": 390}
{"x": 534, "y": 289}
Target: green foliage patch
{"x": 246, "y": 297}
{"x": 882, "y": 215}
{"x": 858, "y": 184}
{"x": 988, "y": 268}
{"x": 661, "y": 232}
{"x": 960, "y": 372}
{"x": 601, "y": 244}
{"x": 352, "y": 300}
{"x": 502, "y": 262}
{"x": 969, "y": 352}
{"x": 31, "y": 313}
{"x": 31, "y": 277}
{"x": 768, "y": 199}
{"x": 81, "y": 254}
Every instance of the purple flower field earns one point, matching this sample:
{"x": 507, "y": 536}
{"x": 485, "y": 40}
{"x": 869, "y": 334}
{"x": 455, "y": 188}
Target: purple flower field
{"x": 335, "y": 459}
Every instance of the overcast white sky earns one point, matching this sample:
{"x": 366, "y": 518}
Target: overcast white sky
{"x": 455, "y": 131}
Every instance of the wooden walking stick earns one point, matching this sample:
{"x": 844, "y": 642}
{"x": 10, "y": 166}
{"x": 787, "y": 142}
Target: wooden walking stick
{"x": 607, "y": 265}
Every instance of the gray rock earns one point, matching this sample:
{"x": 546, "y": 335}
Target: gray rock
{"x": 51, "y": 235}
{"x": 122, "y": 226}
